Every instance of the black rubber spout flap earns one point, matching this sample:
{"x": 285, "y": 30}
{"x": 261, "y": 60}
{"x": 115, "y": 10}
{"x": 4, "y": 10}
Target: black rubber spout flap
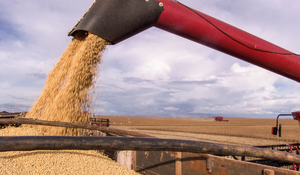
{"x": 117, "y": 20}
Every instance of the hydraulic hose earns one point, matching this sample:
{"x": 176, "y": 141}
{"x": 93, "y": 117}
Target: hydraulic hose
{"x": 29, "y": 143}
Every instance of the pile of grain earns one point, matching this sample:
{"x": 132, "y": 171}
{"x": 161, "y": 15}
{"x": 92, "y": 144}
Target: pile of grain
{"x": 55, "y": 162}
{"x": 67, "y": 87}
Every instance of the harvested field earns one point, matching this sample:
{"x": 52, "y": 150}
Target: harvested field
{"x": 55, "y": 162}
{"x": 236, "y": 131}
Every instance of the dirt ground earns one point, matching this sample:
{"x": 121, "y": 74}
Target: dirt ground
{"x": 238, "y": 131}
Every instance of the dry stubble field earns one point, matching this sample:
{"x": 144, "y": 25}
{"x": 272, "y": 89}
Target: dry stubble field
{"x": 239, "y": 131}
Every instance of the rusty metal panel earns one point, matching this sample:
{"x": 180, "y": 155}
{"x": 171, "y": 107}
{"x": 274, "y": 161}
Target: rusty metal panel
{"x": 151, "y": 162}
{"x": 210, "y": 165}
{"x": 155, "y": 162}
{"x": 193, "y": 164}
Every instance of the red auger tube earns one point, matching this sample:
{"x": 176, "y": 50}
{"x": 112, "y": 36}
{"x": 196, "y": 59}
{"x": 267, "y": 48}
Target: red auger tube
{"x": 201, "y": 28}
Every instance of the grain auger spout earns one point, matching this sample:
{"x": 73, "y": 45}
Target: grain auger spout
{"x": 117, "y": 20}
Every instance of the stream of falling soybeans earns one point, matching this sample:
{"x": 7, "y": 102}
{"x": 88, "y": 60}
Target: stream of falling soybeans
{"x": 67, "y": 89}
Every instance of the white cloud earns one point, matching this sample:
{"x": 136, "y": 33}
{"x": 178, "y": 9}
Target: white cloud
{"x": 113, "y": 111}
{"x": 152, "y": 70}
{"x": 170, "y": 108}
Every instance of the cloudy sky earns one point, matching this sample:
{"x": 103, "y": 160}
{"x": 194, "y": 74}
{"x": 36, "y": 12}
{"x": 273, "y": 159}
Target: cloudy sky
{"x": 154, "y": 73}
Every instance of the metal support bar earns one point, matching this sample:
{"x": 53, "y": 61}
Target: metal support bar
{"x": 73, "y": 125}
{"x": 278, "y": 128}
{"x": 209, "y": 165}
{"x": 281, "y": 115}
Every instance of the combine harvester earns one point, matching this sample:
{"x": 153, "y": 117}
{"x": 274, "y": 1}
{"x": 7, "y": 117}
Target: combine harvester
{"x": 219, "y": 119}
{"x": 117, "y": 20}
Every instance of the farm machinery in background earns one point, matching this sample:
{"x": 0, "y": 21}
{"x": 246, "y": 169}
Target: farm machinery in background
{"x": 93, "y": 120}
{"x": 117, "y": 20}
{"x": 99, "y": 122}
{"x": 219, "y": 119}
